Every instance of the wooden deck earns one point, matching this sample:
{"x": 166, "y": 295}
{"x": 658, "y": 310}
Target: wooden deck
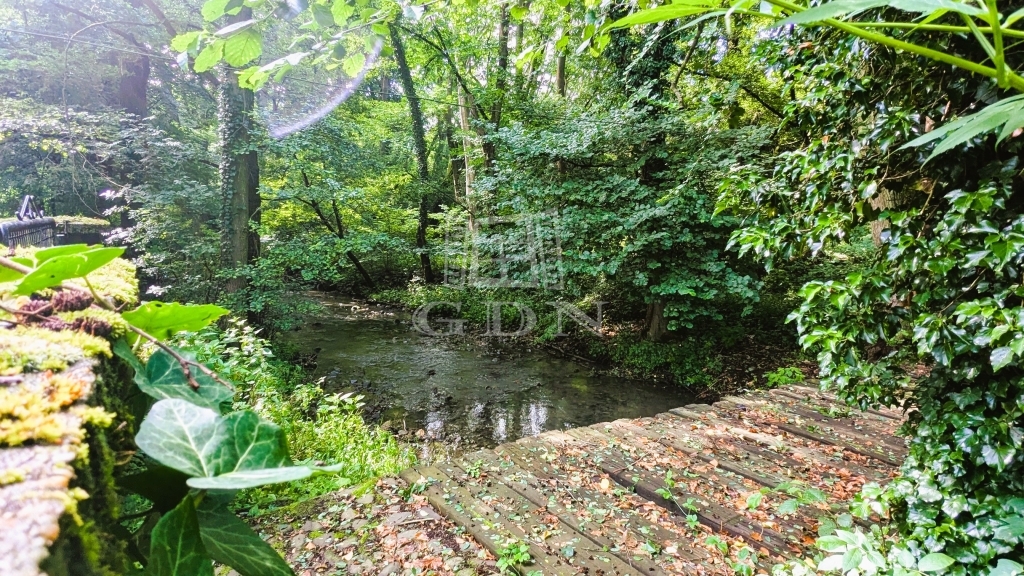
{"x": 593, "y": 500}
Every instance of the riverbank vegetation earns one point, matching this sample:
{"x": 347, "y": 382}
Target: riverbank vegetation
{"x": 732, "y": 189}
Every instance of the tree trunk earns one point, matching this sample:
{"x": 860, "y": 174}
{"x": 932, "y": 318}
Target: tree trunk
{"x": 239, "y": 175}
{"x": 420, "y": 144}
{"x": 131, "y": 93}
{"x": 465, "y": 103}
{"x": 657, "y": 324}
{"x": 560, "y": 75}
{"x": 500, "y": 84}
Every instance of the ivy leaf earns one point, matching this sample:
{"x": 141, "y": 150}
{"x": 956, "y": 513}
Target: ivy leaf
{"x": 181, "y": 435}
{"x": 1007, "y": 567}
{"x": 754, "y": 500}
{"x": 162, "y": 320}
{"x": 251, "y": 478}
{"x": 165, "y": 378}
{"x": 124, "y": 352}
{"x": 163, "y": 486}
{"x": 934, "y": 562}
{"x": 252, "y": 444}
{"x": 242, "y": 48}
{"x": 209, "y": 56}
{"x": 1000, "y": 357}
{"x": 60, "y": 268}
{"x": 176, "y": 548}
{"x": 231, "y": 542}
{"x": 788, "y": 507}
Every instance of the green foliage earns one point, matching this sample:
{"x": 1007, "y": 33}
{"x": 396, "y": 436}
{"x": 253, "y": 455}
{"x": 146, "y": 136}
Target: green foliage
{"x": 690, "y": 362}
{"x": 943, "y": 292}
{"x": 512, "y": 556}
{"x": 164, "y": 320}
{"x": 320, "y": 427}
{"x": 654, "y": 236}
{"x": 784, "y": 377}
{"x": 163, "y": 377}
{"x": 231, "y": 542}
{"x": 177, "y": 548}
{"x": 52, "y": 270}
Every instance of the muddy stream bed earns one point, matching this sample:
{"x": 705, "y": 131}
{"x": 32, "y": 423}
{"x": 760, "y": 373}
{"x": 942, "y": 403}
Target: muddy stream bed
{"x": 458, "y": 393}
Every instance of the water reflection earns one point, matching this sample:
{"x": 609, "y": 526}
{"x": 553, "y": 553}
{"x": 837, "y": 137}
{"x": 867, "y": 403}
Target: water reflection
{"x": 462, "y": 392}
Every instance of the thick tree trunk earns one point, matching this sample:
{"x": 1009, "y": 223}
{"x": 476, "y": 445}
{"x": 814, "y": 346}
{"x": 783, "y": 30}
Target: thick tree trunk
{"x": 657, "y": 324}
{"x": 420, "y": 144}
{"x": 131, "y": 93}
{"x": 239, "y": 177}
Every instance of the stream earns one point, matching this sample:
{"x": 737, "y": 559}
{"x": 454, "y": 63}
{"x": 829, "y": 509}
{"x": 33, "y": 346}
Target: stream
{"x": 462, "y": 392}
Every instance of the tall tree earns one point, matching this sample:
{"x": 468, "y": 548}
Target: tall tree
{"x": 420, "y": 144}
{"x": 239, "y": 173}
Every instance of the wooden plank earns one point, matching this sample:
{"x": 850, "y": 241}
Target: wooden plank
{"x": 712, "y": 481}
{"x": 458, "y": 505}
{"x": 527, "y": 485}
{"x": 880, "y": 439}
{"x": 871, "y": 423}
{"x": 761, "y": 471}
{"x": 626, "y": 515}
{"x": 797, "y": 447}
{"x": 550, "y": 532}
{"x": 708, "y": 512}
{"x": 805, "y": 392}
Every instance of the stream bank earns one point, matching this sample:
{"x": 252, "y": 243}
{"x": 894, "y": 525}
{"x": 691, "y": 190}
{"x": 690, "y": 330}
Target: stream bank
{"x": 461, "y": 392}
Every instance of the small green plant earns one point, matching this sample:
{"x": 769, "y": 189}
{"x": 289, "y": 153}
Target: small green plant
{"x": 784, "y": 377}
{"x": 717, "y": 543}
{"x": 670, "y": 483}
{"x": 512, "y": 556}
{"x": 745, "y": 562}
{"x": 474, "y": 469}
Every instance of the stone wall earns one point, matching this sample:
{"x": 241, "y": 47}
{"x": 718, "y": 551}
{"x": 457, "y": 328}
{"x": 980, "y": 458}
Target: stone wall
{"x": 62, "y": 422}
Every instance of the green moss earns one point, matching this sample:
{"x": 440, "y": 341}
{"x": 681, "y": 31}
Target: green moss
{"x": 27, "y": 349}
{"x": 81, "y": 221}
{"x": 89, "y": 543}
{"x": 117, "y": 281}
{"x": 11, "y": 476}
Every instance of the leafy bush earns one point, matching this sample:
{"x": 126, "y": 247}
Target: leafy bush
{"x": 784, "y": 376}
{"x": 932, "y": 323}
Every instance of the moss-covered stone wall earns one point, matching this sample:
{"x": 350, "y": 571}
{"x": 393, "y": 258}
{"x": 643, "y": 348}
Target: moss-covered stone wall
{"x": 64, "y": 425}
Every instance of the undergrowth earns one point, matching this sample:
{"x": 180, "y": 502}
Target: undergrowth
{"x": 320, "y": 427}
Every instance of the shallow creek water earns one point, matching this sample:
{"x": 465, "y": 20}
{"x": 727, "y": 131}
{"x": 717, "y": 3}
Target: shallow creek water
{"x": 464, "y": 392}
